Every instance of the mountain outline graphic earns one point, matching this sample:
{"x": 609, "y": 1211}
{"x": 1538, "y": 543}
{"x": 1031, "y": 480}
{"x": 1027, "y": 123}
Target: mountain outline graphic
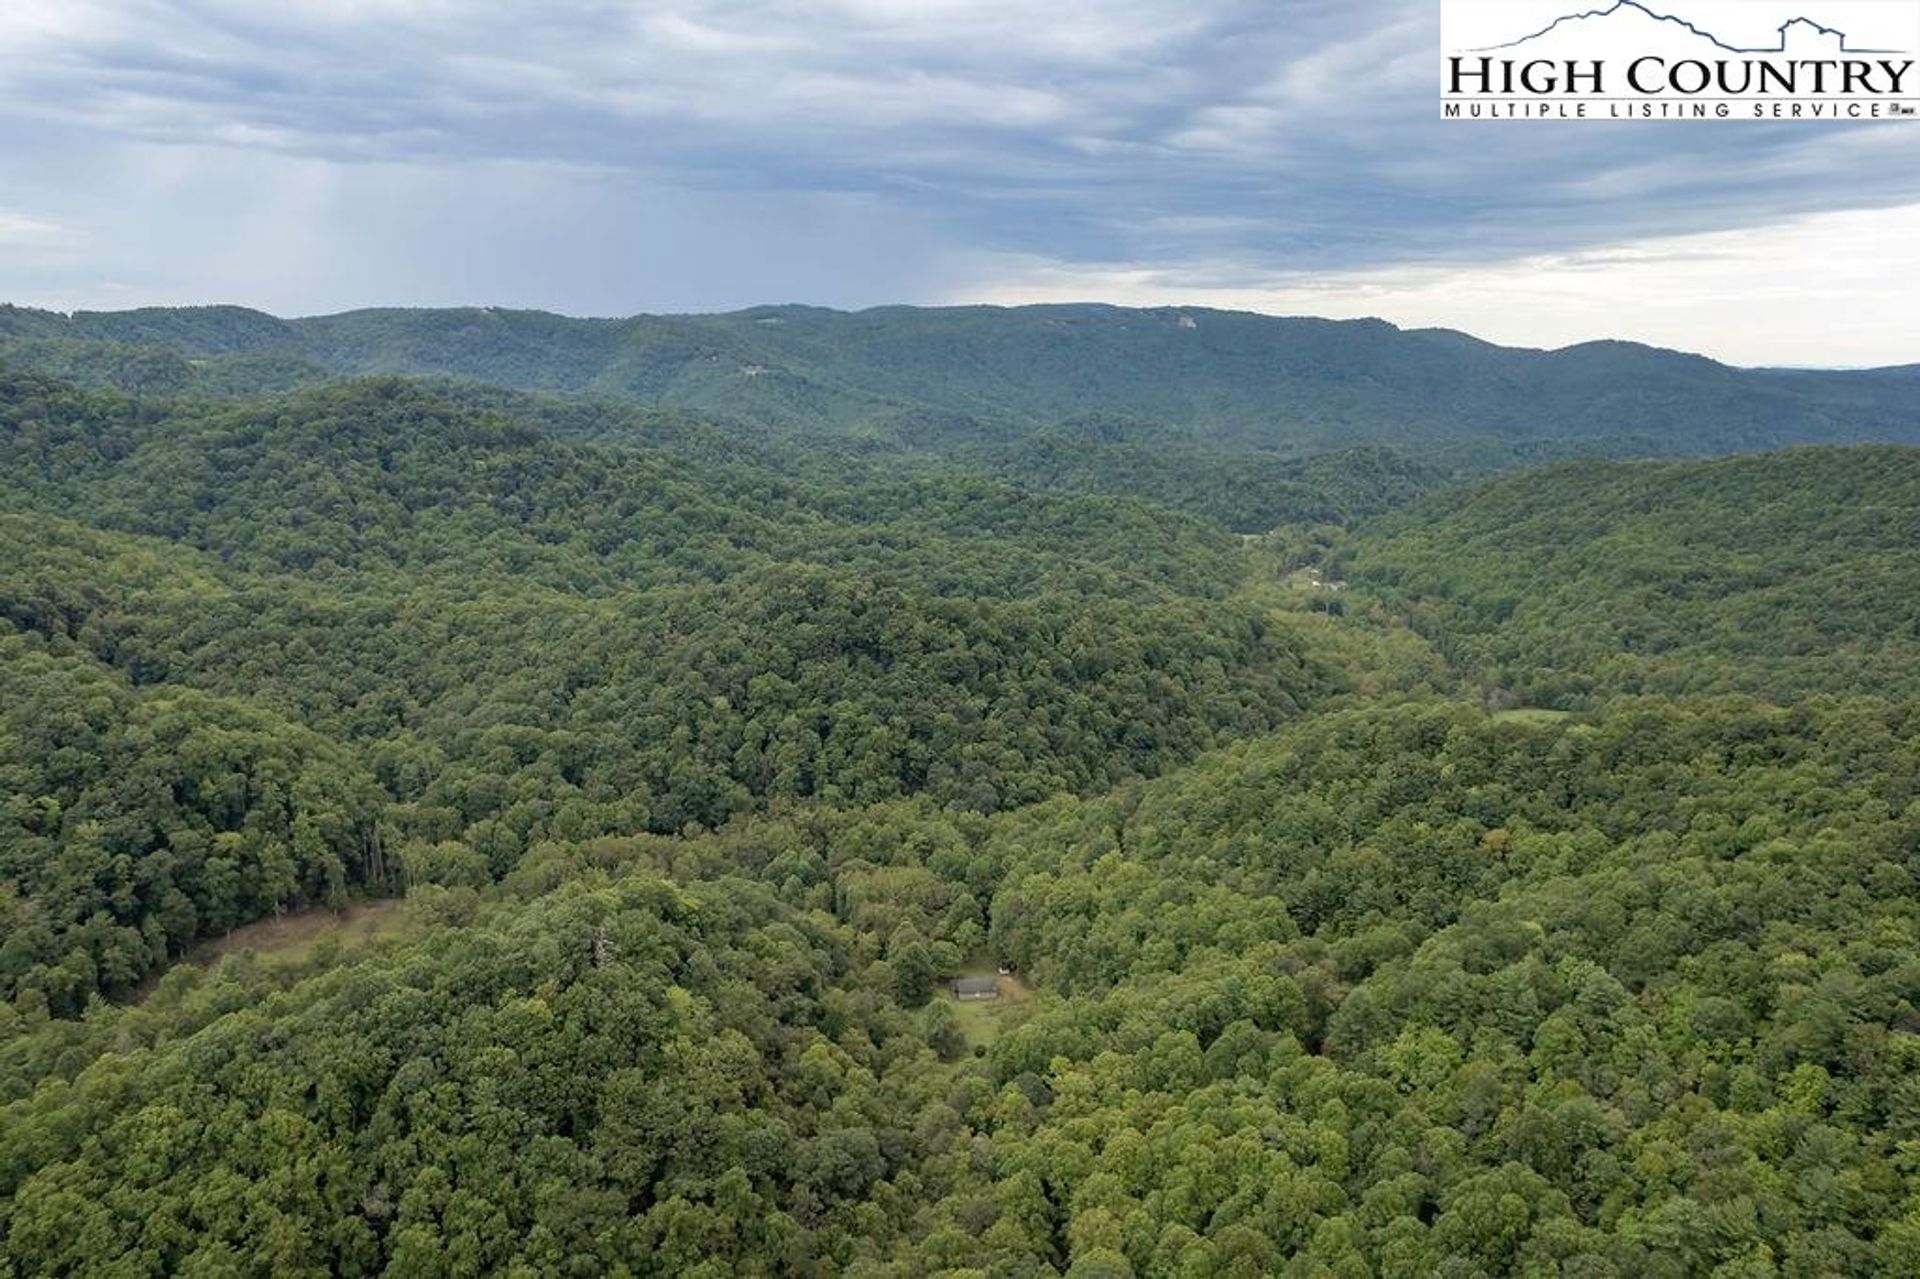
{"x": 1708, "y": 36}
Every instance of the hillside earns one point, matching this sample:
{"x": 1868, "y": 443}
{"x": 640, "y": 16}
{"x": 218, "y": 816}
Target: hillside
{"x": 1784, "y": 574}
{"x": 936, "y": 377}
{"x": 1462, "y": 878}
{"x": 1394, "y": 992}
{"x": 523, "y": 637}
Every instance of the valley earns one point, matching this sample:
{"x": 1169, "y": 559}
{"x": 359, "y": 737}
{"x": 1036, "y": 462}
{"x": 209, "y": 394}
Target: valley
{"x": 484, "y": 793}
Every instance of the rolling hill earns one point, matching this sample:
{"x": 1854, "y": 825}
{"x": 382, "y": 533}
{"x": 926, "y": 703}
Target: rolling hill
{"x": 938, "y": 377}
{"x": 1472, "y": 876}
{"x": 1786, "y": 574}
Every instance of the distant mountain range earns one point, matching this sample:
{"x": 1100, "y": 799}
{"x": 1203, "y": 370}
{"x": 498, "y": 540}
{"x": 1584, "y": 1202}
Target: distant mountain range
{"x": 935, "y": 378}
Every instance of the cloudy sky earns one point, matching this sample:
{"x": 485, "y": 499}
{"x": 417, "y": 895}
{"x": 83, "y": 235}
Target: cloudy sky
{"x": 612, "y": 156}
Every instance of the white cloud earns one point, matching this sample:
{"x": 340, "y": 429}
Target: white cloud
{"x": 1209, "y": 140}
{"x": 1830, "y": 289}
{"x": 18, "y": 228}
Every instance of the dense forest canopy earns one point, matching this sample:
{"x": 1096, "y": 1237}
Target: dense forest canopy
{"x": 525, "y": 637}
{"x": 930, "y": 379}
{"x": 1378, "y": 870}
{"x": 1780, "y": 574}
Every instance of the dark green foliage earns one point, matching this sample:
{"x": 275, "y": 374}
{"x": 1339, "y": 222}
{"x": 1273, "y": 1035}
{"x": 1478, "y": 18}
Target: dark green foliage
{"x": 1785, "y": 574}
{"x": 956, "y": 375}
{"x": 706, "y": 757}
{"x": 138, "y": 822}
{"x": 1246, "y": 490}
{"x": 1400, "y": 990}
{"x": 617, "y": 1075}
{"x": 523, "y": 638}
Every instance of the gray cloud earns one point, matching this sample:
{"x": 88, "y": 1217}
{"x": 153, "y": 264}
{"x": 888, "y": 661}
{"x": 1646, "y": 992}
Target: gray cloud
{"x": 610, "y": 156}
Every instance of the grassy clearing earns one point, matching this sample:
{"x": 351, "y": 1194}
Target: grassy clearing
{"x": 1533, "y": 715}
{"x": 293, "y": 936}
{"x": 985, "y": 1020}
{"x": 1345, "y": 628}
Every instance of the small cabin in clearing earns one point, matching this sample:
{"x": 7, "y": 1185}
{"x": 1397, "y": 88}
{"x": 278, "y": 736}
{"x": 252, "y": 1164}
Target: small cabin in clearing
{"x": 971, "y": 988}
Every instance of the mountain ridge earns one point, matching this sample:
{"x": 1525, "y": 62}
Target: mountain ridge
{"x": 17, "y": 320}
{"x": 1237, "y": 380}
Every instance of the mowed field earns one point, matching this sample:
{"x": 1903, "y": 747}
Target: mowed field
{"x": 985, "y": 1020}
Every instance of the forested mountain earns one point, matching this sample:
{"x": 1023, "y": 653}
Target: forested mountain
{"x": 1402, "y": 993}
{"x": 1783, "y": 574}
{"x": 955, "y": 375}
{"x": 524, "y": 637}
{"x": 1378, "y": 871}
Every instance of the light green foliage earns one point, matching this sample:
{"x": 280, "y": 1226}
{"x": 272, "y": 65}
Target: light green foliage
{"x": 522, "y": 639}
{"x": 704, "y": 763}
{"x": 1781, "y": 575}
